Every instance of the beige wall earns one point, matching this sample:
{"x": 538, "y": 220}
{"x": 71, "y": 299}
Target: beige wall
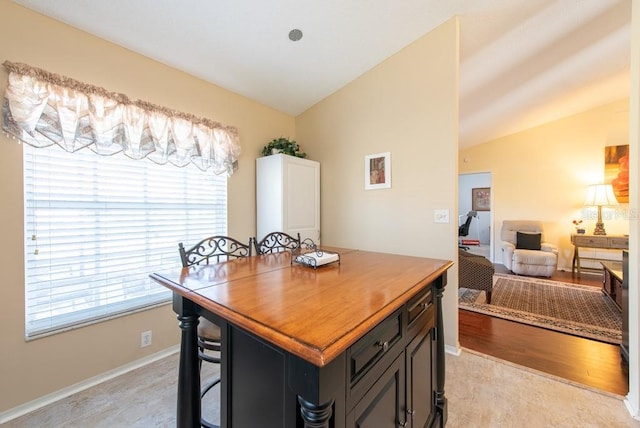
{"x": 543, "y": 173}
{"x": 407, "y": 105}
{"x": 29, "y": 370}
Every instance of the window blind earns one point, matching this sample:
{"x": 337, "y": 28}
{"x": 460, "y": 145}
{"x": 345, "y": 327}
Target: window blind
{"x": 97, "y": 226}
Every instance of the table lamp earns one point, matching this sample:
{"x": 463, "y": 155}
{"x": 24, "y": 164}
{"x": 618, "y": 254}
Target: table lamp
{"x": 600, "y": 195}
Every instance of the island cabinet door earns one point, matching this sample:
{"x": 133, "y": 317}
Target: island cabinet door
{"x": 420, "y": 371}
{"x": 383, "y": 405}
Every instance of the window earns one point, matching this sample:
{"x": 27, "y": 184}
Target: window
{"x": 97, "y": 226}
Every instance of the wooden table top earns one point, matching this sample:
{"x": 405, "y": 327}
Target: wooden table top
{"x": 314, "y": 314}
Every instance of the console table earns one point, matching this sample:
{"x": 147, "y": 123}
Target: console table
{"x": 609, "y": 242}
{"x": 349, "y": 344}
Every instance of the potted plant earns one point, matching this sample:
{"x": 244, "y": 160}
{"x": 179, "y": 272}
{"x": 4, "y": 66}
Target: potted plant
{"x": 579, "y": 229}
{"x": 284, "y": 146}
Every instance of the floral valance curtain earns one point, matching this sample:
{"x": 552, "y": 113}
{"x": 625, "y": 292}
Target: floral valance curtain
{"x": 42, "y": 109}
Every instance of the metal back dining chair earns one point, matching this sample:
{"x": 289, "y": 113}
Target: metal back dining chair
{"x": 214, "y": 249}
{"x": 276, "y": 242}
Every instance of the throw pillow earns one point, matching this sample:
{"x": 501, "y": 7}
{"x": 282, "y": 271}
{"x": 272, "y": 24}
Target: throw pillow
{"x": 528, "y": 241}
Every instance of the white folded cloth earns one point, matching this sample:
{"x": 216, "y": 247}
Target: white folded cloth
{"x": 323, "y": 259}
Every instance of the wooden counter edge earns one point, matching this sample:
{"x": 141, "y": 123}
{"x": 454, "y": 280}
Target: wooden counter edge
{"x": 317, "y": 356}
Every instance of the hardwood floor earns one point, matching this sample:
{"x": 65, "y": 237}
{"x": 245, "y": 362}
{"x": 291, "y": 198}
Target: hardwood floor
{"x": 584, "y": 361}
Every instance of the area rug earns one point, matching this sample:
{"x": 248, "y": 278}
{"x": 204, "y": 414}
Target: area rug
{"x": 569, "y": 308}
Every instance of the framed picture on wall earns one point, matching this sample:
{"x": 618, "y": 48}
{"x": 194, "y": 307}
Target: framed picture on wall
{"x": 481, "y": 198}
{"x": 377, "y": 171}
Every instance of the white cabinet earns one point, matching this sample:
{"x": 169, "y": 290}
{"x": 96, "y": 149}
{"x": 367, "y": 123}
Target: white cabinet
{"x": 288, "y": 196}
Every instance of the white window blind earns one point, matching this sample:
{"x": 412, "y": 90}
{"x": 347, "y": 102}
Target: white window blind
{"x": 97, "y": 226}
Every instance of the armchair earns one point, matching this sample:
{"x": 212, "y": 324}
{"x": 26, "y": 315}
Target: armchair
{"x": 523, "y": 250}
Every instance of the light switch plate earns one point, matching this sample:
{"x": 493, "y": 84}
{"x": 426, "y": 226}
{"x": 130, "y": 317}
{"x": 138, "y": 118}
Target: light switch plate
{"x": 441, "y": 216}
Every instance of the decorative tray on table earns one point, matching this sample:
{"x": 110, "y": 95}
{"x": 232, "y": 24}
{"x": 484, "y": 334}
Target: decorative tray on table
{"x": 308, "y": 254}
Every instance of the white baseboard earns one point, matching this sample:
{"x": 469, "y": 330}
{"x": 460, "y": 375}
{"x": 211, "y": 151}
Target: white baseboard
{"x": 453, "y": 350}
{"x": 633, "y": 411}
{"x": 36, "y": 404}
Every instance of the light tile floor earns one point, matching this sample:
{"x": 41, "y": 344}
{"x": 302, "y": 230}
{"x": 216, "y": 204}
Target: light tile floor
{"x": 482, "y": 392}
{"x": 485, "y": 392}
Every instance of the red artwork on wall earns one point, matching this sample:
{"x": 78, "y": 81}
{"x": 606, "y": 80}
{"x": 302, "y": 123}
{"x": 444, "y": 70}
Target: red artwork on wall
{"x": 616, "y": 171}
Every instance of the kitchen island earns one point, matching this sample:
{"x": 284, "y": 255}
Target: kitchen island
{"x": 354, "y": 343}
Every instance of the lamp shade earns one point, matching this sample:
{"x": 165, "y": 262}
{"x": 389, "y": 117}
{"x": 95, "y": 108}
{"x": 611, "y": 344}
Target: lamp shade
{"x": 600, "y": 195}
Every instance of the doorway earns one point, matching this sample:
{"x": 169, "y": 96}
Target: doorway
{"x": 479, "y": 236}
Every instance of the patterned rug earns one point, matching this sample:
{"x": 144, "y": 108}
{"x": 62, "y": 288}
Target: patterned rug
{"x": 569, "y": 308}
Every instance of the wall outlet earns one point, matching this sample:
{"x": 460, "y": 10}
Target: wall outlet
{"x": 145, "y": 338}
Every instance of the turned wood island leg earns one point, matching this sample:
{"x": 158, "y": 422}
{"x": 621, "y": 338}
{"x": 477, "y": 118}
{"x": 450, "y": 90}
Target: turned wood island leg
{"x": 441, "y": 400}
{"x": 188, "y": 405}
{"x": 315, "y": 416}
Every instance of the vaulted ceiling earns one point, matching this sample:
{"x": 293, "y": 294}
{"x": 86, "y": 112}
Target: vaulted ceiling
{"x": 522, "y": 62}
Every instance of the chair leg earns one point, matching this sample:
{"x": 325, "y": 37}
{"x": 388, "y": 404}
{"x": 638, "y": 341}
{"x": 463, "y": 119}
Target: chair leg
{"x": 203, "y": 346}
{"x": 203, "y": 422}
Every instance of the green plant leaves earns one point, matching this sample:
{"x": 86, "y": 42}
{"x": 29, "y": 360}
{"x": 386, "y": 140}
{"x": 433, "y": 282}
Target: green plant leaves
{"x": 283, "y": 145}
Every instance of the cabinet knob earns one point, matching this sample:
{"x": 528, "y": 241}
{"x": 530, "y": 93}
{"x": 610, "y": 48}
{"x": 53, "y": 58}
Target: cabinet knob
{"x": 402, "y": 424}
{"x": 384, "y": 345}
{"x": 411, "y": 412}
